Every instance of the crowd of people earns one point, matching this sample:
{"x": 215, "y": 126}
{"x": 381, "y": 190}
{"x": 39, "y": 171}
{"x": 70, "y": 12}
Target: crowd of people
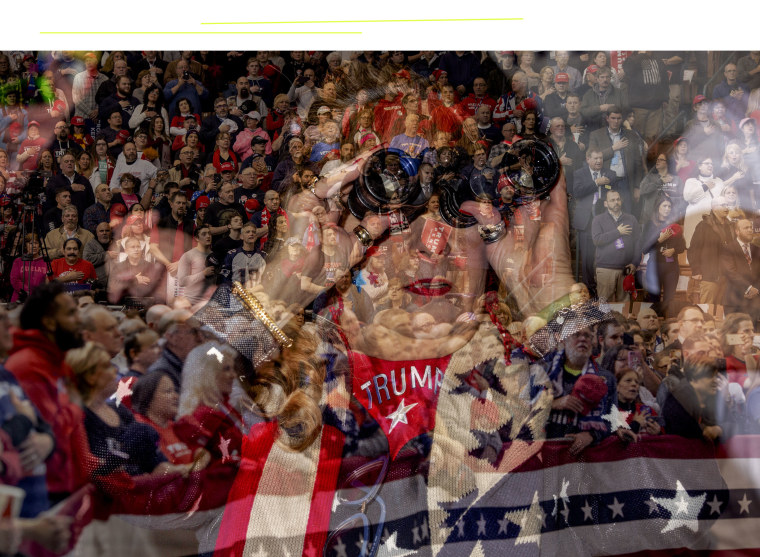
{"x": 142, "y": 192}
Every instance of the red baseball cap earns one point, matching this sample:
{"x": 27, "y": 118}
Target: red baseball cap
{"x": 77, "y": 121}
{"x": 562, "y": 77}
{"x": 228, "y": 166}
{"x": 201, "y": 202}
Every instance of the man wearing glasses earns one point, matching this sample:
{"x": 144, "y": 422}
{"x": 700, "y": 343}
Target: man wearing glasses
{"x": 691, "y": 319}
{"x": 220, "y": 121}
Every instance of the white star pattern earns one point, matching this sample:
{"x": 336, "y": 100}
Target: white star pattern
{"x": 424, "y": 529}
{"x": 481, "y": 525}
{"x": 715, "y": 505}
{"x": 340, "y": 549}
{"x": 617, "y": 418}
{"x": 744, "y": 504}
{"x": 586, "y": 511}
{"x": 616, "y": 508}
{"x": 530, "y": 521}
{"x": 416, "y": 534}
{"x": 399, "y": 416}
{"x": 652, "y": 504}
{"x": 460, "y": 529}
{"x": 683, "y": 508}
{"x": 390, "y": 549}
{"x": 123, "y": 390}
{"x": 503, "y": 524}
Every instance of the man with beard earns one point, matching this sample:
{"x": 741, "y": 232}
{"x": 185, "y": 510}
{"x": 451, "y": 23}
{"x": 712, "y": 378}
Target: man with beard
{"x": 171, "y": 238}
{"x": 571, "y": 416}
{"x": 71, "y": 267}
{"x": 220, "y": 121}
{"x": 49, "y": 326}
{"x": 242, "y": 94}
{"x": 70, "y": 229}
{"x": 121, "y": 100}
{"x": 225, "y": 202}
{"x": 139, "y": 168}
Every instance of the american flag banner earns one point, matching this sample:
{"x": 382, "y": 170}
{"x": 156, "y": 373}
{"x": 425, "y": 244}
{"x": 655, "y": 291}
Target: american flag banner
{"x": 481, "y": 482}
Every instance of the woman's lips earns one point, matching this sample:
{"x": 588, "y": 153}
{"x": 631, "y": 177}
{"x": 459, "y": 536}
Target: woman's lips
{"x": 429, "y": 287}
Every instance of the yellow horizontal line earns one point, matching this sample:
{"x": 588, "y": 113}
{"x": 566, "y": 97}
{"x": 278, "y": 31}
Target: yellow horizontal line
{"x": 200, "y": 32}
{"x": 360, "y": 21}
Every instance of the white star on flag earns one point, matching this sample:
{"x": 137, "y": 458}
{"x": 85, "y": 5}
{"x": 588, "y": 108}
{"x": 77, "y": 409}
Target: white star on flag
{"x": 586, "y": 508}
{"x": 399, "y": 416}
{"x": 123, "y": 390}
{"x": 616, "y": 508}
{"x": 390, "y": 549}
{"x": 213, "y": 351}
{"x": 617, "y": 418}
{"x": 744, "y": 504}
{"x": 529, "y": 521}
{"x": 684, "y": 509}
{"x": 715, "y": 505}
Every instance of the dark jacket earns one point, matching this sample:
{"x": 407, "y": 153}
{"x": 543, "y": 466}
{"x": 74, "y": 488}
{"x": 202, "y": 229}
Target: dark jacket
{"x": 708, "y": 242}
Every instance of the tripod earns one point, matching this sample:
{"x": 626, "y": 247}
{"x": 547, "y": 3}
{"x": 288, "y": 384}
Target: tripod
{"x": 29, "y": 223}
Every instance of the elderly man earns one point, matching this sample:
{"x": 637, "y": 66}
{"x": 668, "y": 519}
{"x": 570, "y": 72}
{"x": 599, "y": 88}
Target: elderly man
{"x": 70, "y": 229}
{"x": 732, "y": 92}
{"x": 98, "y": 212}
{"x": 691, "y": 320}
{"x": 99, "y": 325}
{"x": 562, "y": 57}
{"x": 568, "y": 416}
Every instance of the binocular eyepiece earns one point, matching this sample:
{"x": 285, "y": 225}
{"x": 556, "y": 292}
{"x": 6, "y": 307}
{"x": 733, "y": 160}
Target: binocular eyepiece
{"x": 390, "y": 179}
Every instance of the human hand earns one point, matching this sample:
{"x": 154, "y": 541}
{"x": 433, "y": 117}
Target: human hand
{"x": 51, "y": 531}
{"x": 620, "y": 144}
{"x": 625, "y": 229}
{"x": 580, "y": 442}
{"x": 34, "y": 450}
{"x": 568, "y": 402}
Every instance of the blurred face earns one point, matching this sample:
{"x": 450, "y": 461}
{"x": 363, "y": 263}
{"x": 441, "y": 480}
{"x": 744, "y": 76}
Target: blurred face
{"x": 67, "y": 164}
{"x": 692, "y": 323}
{"x": 661, "y": 164}
{"x": 272, "y": 200}
{"x": 104, "y": 194}
{"x": 595, "y": 159}
{"x": 734, "y": 155}
{"x": 572, "y": 105}
{"x": 744, "y": 231}
{"x": 479, "y": 86}
{"x": 69, "y": 219}
{"x": 706, "y": 386}
{"x": 130, "y": 152}
{"x": 179, "y": 206}
{"x": 71, "y": 252}
{"x": 103, "y": 232}
{"x": 104, "y": 377}
{"x": 604, "y": 79}
{"x": 579, "y": 345}
{"x": 664, "y": 210}
{"x": 614, "y": 121}
{"x": 221, "y": 109}
{"x": 447, "y": 94}
{"x": 648, "y": 320}
{"x": 614, "y": 203}
{"x": 165, "y": 401}
{"x": 282, "y": 225}
{"x": 46, "y": 159}
{"x": 530, "y": 121}
{"x": 628, "y": 386}
{"x": 184, "y": 106}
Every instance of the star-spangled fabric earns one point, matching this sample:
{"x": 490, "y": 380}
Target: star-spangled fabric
{"x": 445, "y": 493}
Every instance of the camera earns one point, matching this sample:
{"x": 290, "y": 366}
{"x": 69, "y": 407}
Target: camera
{"x": 186, "y": 75}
